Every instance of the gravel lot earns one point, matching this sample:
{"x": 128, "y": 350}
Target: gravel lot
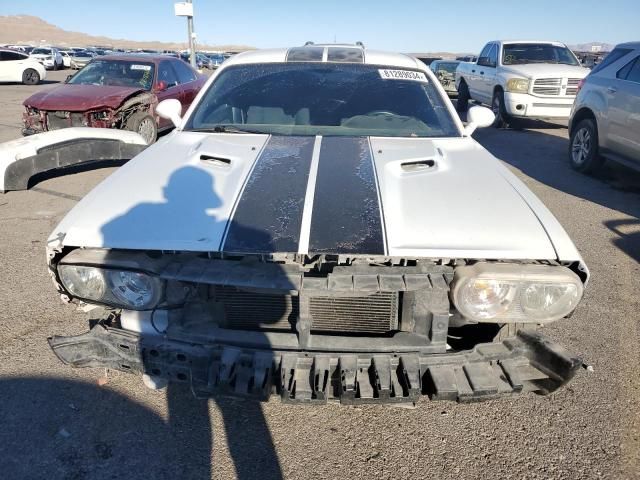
{"x": 59, "y": 423}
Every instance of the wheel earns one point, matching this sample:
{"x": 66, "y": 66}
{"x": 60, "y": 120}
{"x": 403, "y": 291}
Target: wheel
{"x": 30, "y": 77}
{"x": 503, "y": 119}
{"x": 583, "y": 147}
{"x": 463, "y": 97}
{"x": 55, "y": 65}
{"x": 145, "y": 125}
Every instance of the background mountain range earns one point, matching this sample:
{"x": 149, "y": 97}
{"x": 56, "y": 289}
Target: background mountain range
{"x": 26, "y": 29}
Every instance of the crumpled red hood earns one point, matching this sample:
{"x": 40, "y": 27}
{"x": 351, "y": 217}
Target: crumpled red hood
{"x": 80, "y": 98}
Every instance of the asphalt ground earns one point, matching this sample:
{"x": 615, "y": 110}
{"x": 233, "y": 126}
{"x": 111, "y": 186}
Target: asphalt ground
{"x": 59, "y": 423}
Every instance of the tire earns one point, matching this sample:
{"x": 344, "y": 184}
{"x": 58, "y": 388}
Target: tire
{"x": 30, "y": 77}
{"x": 503, "y": 119}
{"x": 463, "y": 97}
{"x": 583, "y": 147}
{"x": 145, "y": 125}
{"x": 55, "y": 65}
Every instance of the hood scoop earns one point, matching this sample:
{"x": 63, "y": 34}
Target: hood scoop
{"x": 418, "y": 165}
{"x": 215, "y": 160}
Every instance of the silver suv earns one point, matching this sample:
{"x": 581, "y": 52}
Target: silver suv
{"x": 605, "y": 118}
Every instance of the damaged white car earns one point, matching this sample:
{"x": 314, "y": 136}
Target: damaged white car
{"x": 320, "y": 226}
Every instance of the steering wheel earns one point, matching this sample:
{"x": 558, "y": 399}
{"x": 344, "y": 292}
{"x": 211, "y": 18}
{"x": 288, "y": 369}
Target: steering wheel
{"x": 377, "y": 113}
{"x": 99, "y": 81}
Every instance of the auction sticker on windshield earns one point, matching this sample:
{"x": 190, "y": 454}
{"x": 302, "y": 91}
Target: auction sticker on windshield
{"x": 403, "y": 75}
{"x": 140, "y": 67}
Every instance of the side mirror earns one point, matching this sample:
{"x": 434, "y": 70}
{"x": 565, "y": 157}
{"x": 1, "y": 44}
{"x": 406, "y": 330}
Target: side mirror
{"x": 69, "y": 77}
{"x": 161, "y": 86}
{"x": 478, "y": 117}
{"x": 171, "y": 109}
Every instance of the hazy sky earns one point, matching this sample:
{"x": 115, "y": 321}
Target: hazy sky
{"x": 412, "y": 25}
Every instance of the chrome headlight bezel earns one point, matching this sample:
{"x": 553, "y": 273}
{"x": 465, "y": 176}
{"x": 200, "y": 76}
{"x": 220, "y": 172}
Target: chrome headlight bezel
{"x": 514, "y": 293}
{"x": 93, "y": 284}
{"x": 518, "y": 85}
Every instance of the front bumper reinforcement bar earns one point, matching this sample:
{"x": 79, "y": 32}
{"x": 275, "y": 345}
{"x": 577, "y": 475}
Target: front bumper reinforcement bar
{"x": 527, "y": 362}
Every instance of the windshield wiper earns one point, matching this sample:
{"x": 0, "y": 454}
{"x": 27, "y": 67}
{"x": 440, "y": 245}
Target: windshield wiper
{"x": 224, "y": 129}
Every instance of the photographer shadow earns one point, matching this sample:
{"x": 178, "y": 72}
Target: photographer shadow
{"x": 185, "y": 216}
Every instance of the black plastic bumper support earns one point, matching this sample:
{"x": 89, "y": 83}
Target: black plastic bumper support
{"x": 528, "y": 362}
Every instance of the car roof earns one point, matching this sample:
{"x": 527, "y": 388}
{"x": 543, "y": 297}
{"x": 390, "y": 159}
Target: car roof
{"x": 5, "y": 49}
{"x": 136, "y": 57}
{"x": 550, "y": 42}
{"x": 633, "y": 45}
{"x": 324, "y": 54}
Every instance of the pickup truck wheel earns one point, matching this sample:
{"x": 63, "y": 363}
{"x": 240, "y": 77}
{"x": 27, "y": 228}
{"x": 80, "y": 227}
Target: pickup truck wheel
{"x": 30, "y": 77}
{"x": 463, "y": 97}
{"x": 583, "y": 147}
{"x": 145, "y": 125}
{"x": 497, "y": 106}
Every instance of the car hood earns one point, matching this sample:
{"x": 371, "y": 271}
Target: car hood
{"x": 546, "y": 70}
{"x": 80, "y": 97}
{"x": 402, "y": 197}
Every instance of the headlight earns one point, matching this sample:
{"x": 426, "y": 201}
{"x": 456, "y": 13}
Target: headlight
{"x": 520, "y": 85}
{"x": 503, "y": 293}
{"x": 122, "y": 288}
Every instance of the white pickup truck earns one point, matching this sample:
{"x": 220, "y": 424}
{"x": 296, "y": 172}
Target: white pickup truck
{"x": 529, "y": 79}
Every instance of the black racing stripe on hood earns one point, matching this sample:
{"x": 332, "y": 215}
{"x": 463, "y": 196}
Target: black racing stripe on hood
{"x": 268, "y": 215}
{"x": 346, "y": 214}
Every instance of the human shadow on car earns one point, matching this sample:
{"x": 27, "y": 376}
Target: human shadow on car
{"x": 185, "y": 213}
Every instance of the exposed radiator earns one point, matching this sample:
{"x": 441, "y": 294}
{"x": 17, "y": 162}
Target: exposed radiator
{"x": 376, "y": 313}
{"x": 256, "y": 311}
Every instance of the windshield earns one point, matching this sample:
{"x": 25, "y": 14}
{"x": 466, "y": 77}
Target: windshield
{"x": 521, "y": 53}
{"x": 41, "y": 51}
{"x": 82, "y": 55}
{"x": 324, "y": 99}
{"x": 449, "y": 67}
{"x": 116, "y": 72}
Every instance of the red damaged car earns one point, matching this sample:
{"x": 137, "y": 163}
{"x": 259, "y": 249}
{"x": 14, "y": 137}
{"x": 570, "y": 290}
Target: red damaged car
{"x": 116, "y": 91}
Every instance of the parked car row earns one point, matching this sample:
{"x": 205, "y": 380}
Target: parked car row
{"x": 518, "y": 79}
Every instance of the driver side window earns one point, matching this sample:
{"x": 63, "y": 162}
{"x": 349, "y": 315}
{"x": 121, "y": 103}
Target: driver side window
{"x": 489, "y": 56}
{"x": 11, "y": 56}
{"x": 167, "y": 74}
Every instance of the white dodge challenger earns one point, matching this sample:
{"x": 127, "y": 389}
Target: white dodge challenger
{"x": 320, "y": 225}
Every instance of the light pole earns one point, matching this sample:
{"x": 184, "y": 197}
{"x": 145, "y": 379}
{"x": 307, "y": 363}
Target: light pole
{"x": 192, "y": 47}
{"x": 185, "y": 9}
